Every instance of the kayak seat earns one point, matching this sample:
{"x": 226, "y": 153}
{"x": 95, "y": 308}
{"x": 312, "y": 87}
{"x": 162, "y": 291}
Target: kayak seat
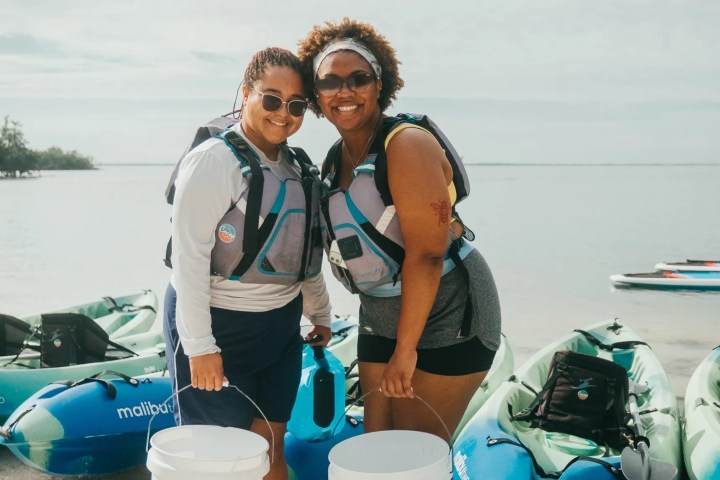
{"x": 13, "y": 333}
{"x": 71, "y": 339}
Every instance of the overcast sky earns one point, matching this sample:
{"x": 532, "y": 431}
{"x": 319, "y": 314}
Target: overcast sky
{"x": 121, "y": 80}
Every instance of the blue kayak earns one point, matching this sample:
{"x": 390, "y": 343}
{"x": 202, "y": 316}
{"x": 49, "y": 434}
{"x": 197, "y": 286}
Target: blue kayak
{"x": 90, "y": 427}
{"x": 97, "y": 425}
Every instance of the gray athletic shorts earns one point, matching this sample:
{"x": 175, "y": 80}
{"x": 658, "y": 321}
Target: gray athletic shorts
{"x": 379, "y": 315}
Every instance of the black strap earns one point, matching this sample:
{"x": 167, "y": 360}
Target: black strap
{"x": 310, "y": 181}
{"x": 109, "y": 387}
{"x": 378, "y": 148}
{"x": 262, "y": 235}
{"x": 460, "y": 265}
{"x": 308, "y": 184}
{"x": 121, "y": 348}
{"x": 168, "y": 254}
{"x": 325, "y": 212}
{"x": 616, "y": 472}
{"x": 6, "y": 432}
{"x": 610, "y": 347}
{"x": 528, "y": 413}
{"x": 129, "y": 307}
{"x": 395, "y": 251}
{"x": 332, "y": 163}
{"x": 301, "y": 156}
{"x": 255, "y": 191}
{"x": 128, "y": 379}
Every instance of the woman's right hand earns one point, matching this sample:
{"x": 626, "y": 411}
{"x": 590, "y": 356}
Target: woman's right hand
{"x": 206, "y": 371}
{"x": 397, "y": 377}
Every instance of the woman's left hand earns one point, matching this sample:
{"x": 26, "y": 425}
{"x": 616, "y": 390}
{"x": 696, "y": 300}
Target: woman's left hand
{"x": 397, "y": 378}
{"x": 325, "y": 334}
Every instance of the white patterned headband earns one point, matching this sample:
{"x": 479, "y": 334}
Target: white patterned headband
{"x": 347, "y": 44}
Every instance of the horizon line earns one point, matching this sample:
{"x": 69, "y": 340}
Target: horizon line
{"x": 483, "y": 164}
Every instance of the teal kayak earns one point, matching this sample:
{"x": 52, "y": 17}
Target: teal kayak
{"x": 120, "y": 327}
{"x": 701, "y": 432}
{"x": 118, "y": 316}
{"x": 479, "y": 446}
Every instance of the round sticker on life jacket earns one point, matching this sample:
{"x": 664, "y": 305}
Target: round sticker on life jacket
{"x": 226, "y": 233}
{"x": 583, "y": 395}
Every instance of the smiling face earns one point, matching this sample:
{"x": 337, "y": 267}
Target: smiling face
{"x": 349, "y": 109}
{"x": 267, "y": 129}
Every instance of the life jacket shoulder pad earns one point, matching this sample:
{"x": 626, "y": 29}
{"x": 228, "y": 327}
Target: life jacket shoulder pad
{"x": 460, "y": 177}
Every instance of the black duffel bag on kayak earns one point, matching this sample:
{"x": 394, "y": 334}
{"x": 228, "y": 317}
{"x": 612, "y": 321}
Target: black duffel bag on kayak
{"x": 585, "y": 396}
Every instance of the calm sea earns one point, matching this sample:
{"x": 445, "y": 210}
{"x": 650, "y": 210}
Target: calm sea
{"x": 551, "y": 234}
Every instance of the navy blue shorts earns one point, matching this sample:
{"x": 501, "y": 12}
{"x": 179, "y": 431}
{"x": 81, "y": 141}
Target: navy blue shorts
{"x": 262, "y": 356}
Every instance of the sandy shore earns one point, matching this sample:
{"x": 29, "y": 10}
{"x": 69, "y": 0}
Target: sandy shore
{"x": 12, "y": 469}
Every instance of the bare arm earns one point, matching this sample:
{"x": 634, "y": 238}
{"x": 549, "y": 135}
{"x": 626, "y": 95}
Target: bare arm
{"x": 418, "y": 175}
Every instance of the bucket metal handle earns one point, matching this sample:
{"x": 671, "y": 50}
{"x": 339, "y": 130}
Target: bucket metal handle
{"x": 225, "y": 384}
{"x": 437, "y": 415}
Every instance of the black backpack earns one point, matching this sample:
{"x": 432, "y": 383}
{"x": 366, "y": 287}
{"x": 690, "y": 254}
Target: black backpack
{"x": 585, "y": 396}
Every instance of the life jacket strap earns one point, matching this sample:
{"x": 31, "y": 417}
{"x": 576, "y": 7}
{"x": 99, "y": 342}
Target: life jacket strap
{"x": 255, "y": 190}
{"x": 454, "y": 253}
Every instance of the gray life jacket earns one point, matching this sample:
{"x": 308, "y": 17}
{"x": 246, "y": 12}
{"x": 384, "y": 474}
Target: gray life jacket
{"x": 361, "y": 231}
{"x": 271, "y": 233}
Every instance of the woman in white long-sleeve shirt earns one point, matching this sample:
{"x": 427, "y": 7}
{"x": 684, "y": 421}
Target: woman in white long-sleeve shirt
{"x": 243, "y": 325}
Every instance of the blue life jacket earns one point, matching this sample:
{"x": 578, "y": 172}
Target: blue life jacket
{"x": 271, "y": 233}
{"x": 360, "y": 229}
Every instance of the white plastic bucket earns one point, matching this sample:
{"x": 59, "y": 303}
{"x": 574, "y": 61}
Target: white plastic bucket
{"x": 208, "y": 452}
{"x": 391, "y": 455}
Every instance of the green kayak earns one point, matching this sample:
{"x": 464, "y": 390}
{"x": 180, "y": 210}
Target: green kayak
{"x": 477, "y": 445}
{"x": 701, "y": 432}
{"x": 113, "y": 333}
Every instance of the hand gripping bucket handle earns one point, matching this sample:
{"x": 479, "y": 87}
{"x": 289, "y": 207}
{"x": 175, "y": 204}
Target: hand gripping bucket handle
{"x": 225, "y": 384}
{"x": 437, "y": 415}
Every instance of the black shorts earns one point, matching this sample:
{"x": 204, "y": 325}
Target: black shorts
{"x": 459, "y": 359}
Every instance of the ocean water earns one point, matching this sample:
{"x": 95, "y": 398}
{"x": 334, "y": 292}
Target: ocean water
{"x": 551, "y": 234}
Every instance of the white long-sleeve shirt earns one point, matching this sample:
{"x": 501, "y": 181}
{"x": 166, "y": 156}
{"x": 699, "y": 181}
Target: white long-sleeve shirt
{"x": 208, "y": 182}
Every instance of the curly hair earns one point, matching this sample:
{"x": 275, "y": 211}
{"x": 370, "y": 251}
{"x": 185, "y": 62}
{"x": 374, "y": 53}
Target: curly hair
{"x": 271, "y": 57}
{"x": 366, "y": 34}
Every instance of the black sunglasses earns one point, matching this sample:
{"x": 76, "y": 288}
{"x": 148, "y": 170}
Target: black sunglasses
{"x": 271, "y": 103}
{"x": 331, "y": 84}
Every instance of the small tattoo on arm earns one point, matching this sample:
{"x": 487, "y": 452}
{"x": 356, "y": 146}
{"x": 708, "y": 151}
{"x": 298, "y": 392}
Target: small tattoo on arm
{"x": 442, "y": 210}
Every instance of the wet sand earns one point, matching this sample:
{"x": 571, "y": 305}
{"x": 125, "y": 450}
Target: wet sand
{"x": 13, "y": 469}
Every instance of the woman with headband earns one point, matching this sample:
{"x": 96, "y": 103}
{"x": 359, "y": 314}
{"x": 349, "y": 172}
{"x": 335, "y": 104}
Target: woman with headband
{"x": 221, "y": 323}
{"x": 390, "y": 230}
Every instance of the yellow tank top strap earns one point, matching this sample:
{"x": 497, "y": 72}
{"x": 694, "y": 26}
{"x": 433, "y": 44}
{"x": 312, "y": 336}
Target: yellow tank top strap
{"x": 402, "y": 126}
{"x": 452, "y": 192}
